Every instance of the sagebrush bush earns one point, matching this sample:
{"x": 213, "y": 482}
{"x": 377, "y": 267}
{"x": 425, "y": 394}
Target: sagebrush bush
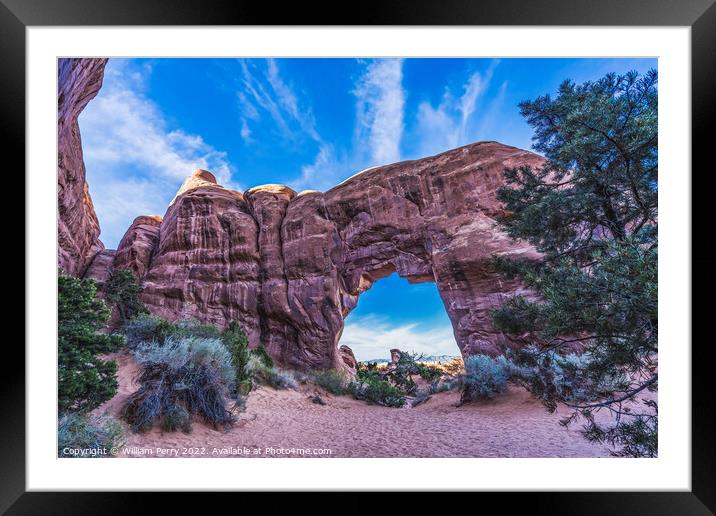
{"x": 84, "y": 432}
{"x": 192, "y": 373}
{"x": 176, "y": 418}
{"x": 150, "y": 328}
{"x": 485, "y": 377}
{"x": 84, "y": 380}
{"x": 271, "y": 376}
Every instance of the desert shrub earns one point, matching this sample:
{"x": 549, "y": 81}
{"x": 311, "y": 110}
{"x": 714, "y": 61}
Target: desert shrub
{"x": 263, "y": 355}
{"x": 122, "y": 290}
{"x": 551, "y": 376}
{"x": 485, "y": 377}
{"x": 335, "y": 382}
{"x": 192, "y": 373}
{"x": 429, "y": 372}
{"x": 237, "y": 343}
{"x": 406, "y": 366}
{"x": 276, "y": 378}
{"x": 84, "y": 432}
{"x": 176, "y": 418}
{"x": 84, "y": 381}
{"x": 150, "y": 328}
{"x": 367, "y": 371}
{"x": 378, "y": 391}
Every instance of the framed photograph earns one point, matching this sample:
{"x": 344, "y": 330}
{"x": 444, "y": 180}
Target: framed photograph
{"x": 416, "y": 249}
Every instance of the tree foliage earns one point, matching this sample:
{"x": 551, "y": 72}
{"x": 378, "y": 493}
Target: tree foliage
{"x": 237, "y": 343}
{"x": 592, "y": 212}
{"x": 122, "y": 291}
{"x": 85, "y": 381}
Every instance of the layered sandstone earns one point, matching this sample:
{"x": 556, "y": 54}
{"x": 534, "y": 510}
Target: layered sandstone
{"x": 290, "y": 267}
{"x": 79, "y": 80}
{"x": 138, "y": 244}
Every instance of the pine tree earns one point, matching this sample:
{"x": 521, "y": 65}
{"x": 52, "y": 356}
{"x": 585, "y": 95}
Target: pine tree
{"x": 592, "y": 212}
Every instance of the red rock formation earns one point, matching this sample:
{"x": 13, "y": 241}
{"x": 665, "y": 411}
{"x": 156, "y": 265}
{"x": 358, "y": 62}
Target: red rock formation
{"x": 137, "y": 246}
{"x": 206, "y": 262}
{"x": 290, "y": 267}
{"x": 101, "y": 265}
{"x": 79, "y": 80}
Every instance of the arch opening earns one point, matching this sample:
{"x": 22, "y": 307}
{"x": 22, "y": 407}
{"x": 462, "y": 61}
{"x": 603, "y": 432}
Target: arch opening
{"x": 397, "y": 314}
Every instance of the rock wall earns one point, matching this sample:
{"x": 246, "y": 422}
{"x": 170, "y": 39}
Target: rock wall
{"x": 290, "y": 267}
{"x": 79, "y": 80}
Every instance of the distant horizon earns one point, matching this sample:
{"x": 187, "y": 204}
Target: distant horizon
{"x": 309, "y": 124}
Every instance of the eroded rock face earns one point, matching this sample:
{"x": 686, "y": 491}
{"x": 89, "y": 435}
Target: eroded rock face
{"x": 205, "y": 264}
{"x": 101, "y": 265}
{"x": 290, "y": 267}
{"x": 79, "y": 81}
{"x": 137, "y": 246}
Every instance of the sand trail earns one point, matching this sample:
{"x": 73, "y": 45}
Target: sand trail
{"x": 286, "y": 423}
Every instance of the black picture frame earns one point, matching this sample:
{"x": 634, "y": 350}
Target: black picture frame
{"x": 700, "y": 15}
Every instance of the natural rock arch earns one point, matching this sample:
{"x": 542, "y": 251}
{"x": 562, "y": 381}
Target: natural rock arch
{"x": 290, "y": 266}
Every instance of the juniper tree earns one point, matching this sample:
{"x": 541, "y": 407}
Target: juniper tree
{"x": 237, "y": 343}
{"x": 85, "y": 381}
{"x": 122, "y": 291}
{"x": 592, "y": 212}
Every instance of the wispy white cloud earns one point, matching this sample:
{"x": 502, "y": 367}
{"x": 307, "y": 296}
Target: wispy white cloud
{"x": 450, "y": 123}
{"x": 380, "y": 106}
{"x": 263, "y": 91}
{"x": 380, "y": 109}
{"x": 372, "y": 337}
{"x": 135, "y": 162}
{"x": 322, "y": 172}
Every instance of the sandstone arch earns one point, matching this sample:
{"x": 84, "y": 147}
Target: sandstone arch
{"x": 290, "y": 266}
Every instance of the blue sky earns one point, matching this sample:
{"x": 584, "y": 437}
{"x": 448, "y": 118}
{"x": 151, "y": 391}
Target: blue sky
{"x": 307, "y": 123}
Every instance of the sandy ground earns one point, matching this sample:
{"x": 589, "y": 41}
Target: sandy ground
{"x": 287, "y": 423}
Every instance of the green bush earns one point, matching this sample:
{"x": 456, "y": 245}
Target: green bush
{"x": 335, "y": 382}
{"x": 122, "y": 290}
{"x": 485, "y": 377}
{"x": 237, "y": 343}
{"x": 192, "y": 374}
{"x": 77, "y": 432}
{"x": 84, "y": 381}
{"x": 263, "y": 355}
{"x": 429, "y": 372}
{"x": 379, "y": 392}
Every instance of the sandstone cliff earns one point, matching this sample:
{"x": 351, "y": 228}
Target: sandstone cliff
{"x": 79, "y": 80}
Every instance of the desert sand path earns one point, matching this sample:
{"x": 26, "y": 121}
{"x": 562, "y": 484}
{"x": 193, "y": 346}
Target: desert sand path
{"x": 512, "y": 425}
